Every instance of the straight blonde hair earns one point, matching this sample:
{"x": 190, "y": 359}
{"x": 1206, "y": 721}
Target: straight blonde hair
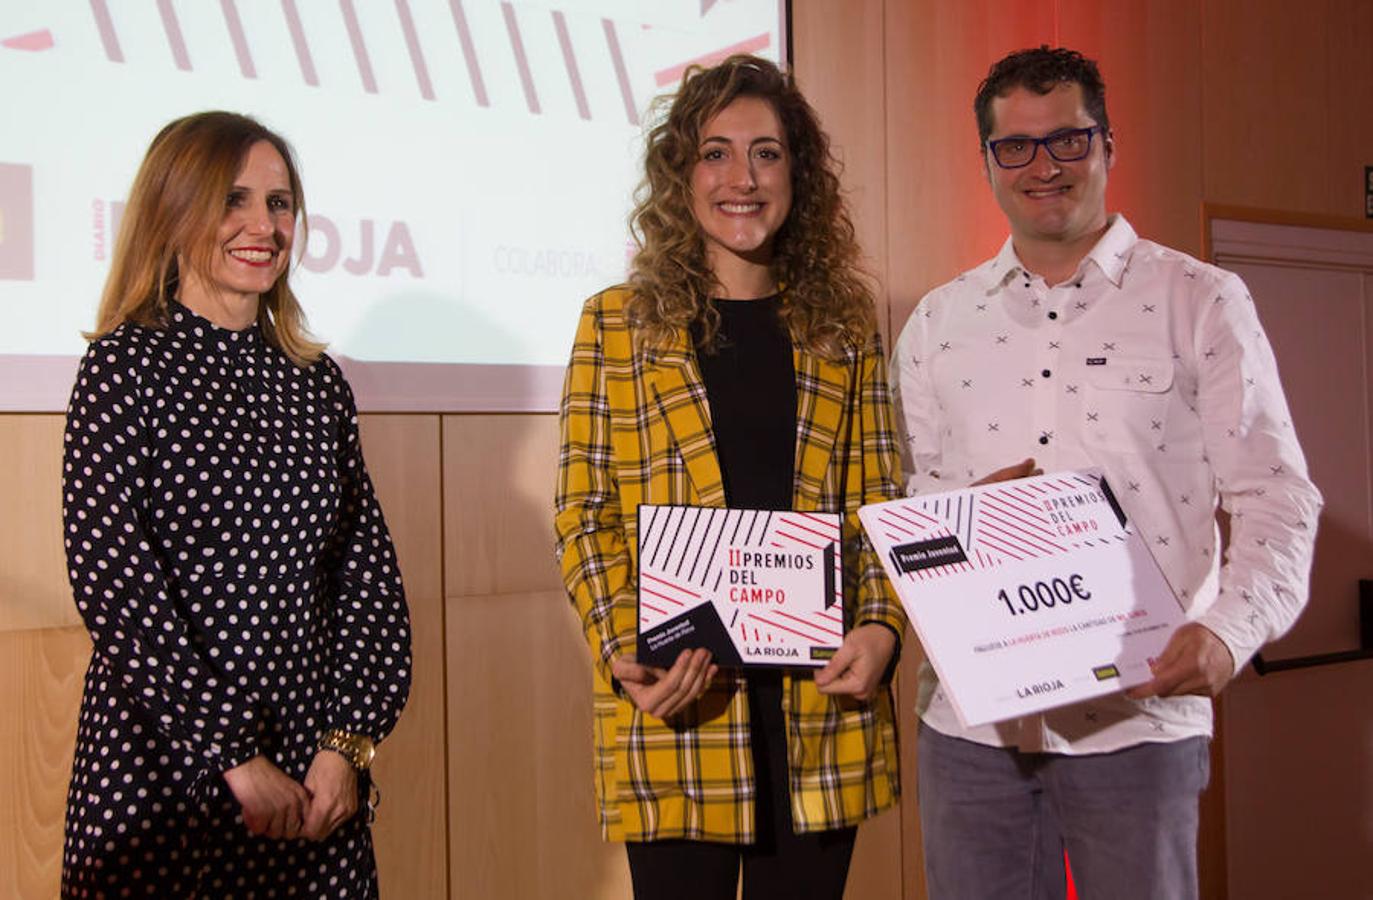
{"x": 173, "y": 214}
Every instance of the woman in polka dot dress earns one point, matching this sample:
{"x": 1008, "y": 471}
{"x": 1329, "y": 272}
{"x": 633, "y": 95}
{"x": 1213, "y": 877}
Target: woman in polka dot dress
{"x": 226, "y": 551}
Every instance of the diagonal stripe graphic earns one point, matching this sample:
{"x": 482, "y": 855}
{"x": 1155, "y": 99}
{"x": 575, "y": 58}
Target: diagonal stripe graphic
{"x": 238, "y": 38}
{"x": 33, "y": 42}
{"x": 673, "y": 74}
{"x": 512, "y": 27}
{"x": 574, "y": 75}
{"x": 175, "y": 40}
{"x": 612, "y": 42}
{"x": 350, "y": 19}
{"x": 412, "y": 44}
{"x": 469, "y": 53}
{"x": 299, "y": 43}
{"x": 105, "y": 25}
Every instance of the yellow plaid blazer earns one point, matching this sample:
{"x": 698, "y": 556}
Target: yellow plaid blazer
{"x": 636, "y": 429}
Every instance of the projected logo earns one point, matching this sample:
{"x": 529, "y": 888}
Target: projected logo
{"x": 105, "y": 219}
{"x": 362, "y": 248}
{"x": 378, "y": 249}
{"x": 16, "y": 222}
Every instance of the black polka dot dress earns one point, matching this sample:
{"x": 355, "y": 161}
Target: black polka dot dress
{"x": 232, "y": 565}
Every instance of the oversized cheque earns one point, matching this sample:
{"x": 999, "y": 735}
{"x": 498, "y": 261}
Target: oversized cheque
{"x": 1026, "y": 594}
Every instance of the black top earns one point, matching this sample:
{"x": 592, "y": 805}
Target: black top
{"x": 750, "y": 382}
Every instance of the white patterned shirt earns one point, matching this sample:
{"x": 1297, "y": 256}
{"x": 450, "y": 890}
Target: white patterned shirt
{"x": 1153, "y": 367}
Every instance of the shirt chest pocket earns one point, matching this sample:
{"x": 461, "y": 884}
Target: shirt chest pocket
{"x": 1126, "y": 404}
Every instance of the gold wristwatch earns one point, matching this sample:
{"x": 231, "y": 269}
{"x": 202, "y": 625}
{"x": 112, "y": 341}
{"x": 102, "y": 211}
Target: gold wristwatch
{"x": 358, "y": 749}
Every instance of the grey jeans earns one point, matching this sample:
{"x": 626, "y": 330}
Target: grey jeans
{"x": 996, "y": 821}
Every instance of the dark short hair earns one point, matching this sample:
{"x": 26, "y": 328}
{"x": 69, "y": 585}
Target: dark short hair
{"x": 1041, "y": 70}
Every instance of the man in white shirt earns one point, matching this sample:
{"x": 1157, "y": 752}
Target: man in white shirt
{"x": 1081, "y": 345}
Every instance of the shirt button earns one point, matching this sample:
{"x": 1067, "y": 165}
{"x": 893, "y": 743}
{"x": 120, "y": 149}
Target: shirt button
{"x": 1046, "y": 373}
{"x": 1044, "y": 439}
{"x": 1053, "y": 315}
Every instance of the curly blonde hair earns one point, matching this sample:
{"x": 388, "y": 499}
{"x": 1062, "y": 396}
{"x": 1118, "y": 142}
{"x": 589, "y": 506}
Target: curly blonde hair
{"x": 174, "y": 210}
{"x": 827, "y": 303}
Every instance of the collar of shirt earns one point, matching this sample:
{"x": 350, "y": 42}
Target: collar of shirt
{"x": 1028, "y": 299}
{"x": 189, "y": 325}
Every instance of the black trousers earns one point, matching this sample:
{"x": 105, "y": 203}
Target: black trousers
{"x": 782, "y": 864}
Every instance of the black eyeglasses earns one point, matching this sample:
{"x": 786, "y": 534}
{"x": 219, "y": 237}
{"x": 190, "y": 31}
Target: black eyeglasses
{"x": 1065, "y": 146}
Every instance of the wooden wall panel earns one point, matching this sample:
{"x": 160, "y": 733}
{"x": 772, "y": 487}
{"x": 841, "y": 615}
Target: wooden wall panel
{"x": 1265, "y": 103}
{"x": 42, "y": 672}
{"x": 912, "y": 840}
{"x": 519, "y": 754}
{"x": 403, "y": 458}
{"x": 499, "y": 476}
{"x": 876, "y": 870}
{"x": 411, "y": 833}
{"x": 1150, "y": 58}
{"x": 1349, "y": 134}
{"x": 941, "y": 218}
{"x": 1300, "y": 744}
{"x": 33, "y": 568}
{"x": 840, "y": 67}
{"x": 44, "y": 651}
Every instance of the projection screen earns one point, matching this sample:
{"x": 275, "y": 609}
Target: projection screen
{"x": 468, "y": 167}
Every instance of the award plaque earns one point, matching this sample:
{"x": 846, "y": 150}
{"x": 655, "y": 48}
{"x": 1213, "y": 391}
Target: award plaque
{"x": 755, "y": 587}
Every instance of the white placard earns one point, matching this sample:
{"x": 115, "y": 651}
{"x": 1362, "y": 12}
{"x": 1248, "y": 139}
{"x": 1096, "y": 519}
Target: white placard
{"x": 755, "y": 587}
{"x": 1026, "y": 594}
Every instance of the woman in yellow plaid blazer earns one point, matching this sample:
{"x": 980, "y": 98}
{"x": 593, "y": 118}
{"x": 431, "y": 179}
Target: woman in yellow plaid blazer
{"x": 740, "y": 201}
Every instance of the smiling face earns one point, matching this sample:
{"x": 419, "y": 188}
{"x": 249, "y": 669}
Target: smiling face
{"x": 1049, "y": 201}
{"x": 252, "y": 246}
{"x": 741, "y": 185}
